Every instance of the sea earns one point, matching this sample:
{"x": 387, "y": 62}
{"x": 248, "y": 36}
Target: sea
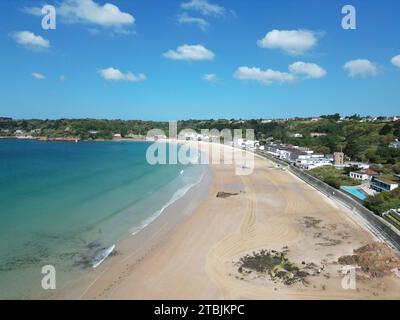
{"x": 67, "y": 205}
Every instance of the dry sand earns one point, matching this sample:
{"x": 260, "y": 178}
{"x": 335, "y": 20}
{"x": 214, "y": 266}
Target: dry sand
{"x": 196, "y": 258}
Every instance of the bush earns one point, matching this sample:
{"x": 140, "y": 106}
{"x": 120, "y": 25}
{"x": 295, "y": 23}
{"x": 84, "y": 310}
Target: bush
{"x": 334, "y": 177}
{"x": 333, "y": 182}
{"x": 383, "y": 201}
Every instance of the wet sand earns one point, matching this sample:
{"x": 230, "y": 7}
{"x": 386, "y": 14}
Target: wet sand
{"x": 270, "y": 209}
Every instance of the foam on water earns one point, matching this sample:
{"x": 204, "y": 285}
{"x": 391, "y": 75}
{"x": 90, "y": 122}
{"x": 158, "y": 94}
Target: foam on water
{"x": 74, "y": 218}
{"x": 98, "y": 260}
{"x": 175, "y": 197}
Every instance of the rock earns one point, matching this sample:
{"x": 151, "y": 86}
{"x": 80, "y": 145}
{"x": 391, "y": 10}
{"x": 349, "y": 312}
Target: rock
{"x": 375, "y": 259}
{"x": 225, "y": 195}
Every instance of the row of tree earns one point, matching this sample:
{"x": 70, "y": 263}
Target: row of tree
{"x": 359, "y": 140}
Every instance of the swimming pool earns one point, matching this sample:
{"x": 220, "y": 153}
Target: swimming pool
{"x": 355, "y": 191}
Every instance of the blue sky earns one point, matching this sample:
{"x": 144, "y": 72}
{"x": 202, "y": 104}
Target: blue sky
{"x": 170, "y": 59}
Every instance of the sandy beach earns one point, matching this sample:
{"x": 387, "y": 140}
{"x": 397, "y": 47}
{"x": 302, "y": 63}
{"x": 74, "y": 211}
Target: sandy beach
{"x": 195, "y": 254}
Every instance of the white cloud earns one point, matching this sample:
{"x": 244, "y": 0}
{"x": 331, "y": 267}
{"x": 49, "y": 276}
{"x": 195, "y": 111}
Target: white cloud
{"x": 204, "y": 7}
{"x": 200, "y": 22}
{"x": 35, "y": 11}
{"x": 396, "y": 60}
{"x": 38, "y": 76}
{"x": 90, "y": 12}
{"x": 360, "y": 67}
{"x": 112, "y": 74}
{"x": 30, "y": 40}
{"x": 294, "y": 42}
{"x": 62, "y": 78}
{"x": 308, "y": 70}
{"x": 190, "y": 53}
{"x": 265, "y": 77}
{"x": 297, "y": 71}
{"x": 210, "y": 77}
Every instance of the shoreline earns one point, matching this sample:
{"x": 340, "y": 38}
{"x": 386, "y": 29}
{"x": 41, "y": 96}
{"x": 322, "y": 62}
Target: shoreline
{"x": 195, "y": 259}
{"x": 182, "y": 197}
{"x": 71, "y": 139}
{"x": 190, "y": 250}
{"x": 141, "y": 242}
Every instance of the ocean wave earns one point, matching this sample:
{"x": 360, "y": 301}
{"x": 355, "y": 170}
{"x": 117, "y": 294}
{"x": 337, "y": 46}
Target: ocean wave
{"x": 98, "y": 260}
{"x": 175, "y": 197}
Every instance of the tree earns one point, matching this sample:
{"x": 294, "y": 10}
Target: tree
{"x": 383, "y": 201}
{"x": 396, "y": 133}
{"x": 391, "y": 161}
{"x": 355, "y": 117}
{"x": 335, "y": 117}
{"x": 386, "y": 129}
{"x": 354, "y": 149}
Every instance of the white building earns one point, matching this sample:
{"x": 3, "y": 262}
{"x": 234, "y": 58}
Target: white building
{"x": 278, "y": 152}
{"x": 19, "y": 132}
{"x": 303, "y": 154}
{"x": 395, "y": 144}
{"x": 247, "y": 144}
{"x": 317, "y": 134}
{"x": 284, "y": 154}
{"x": 385, "y": 183}
{"x": 313, "y": 163}
{"x": 363, "y": 175}
{"x": 358, "y": 165}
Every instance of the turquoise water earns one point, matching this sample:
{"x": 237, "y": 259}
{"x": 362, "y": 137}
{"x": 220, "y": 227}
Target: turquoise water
{"x": 356, "y": 192}
{"x": 65, "y": 204}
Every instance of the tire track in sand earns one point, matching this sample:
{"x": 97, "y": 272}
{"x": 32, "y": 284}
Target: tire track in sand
{"x": 250, "y": 236}
{"x": 232, "y": 245}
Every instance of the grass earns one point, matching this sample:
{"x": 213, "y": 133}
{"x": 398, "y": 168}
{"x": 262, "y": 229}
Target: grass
{"x": 393, "y": 220}
{"x": 334, "y": 177}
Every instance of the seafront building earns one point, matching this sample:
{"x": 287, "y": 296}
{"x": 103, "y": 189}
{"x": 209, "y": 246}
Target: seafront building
{"x": 357, "y": 165}
{"x": 338, "y": 158}
{"x": 313, "y": 163}
{"x": 385, "y": 183}
{"x": 301, "y": 157}
{"x": 248, "y": 144}
{"x": 364, "y": 174}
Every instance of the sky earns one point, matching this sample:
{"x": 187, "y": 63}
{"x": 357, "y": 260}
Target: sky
{"x": 198, "y": 59}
